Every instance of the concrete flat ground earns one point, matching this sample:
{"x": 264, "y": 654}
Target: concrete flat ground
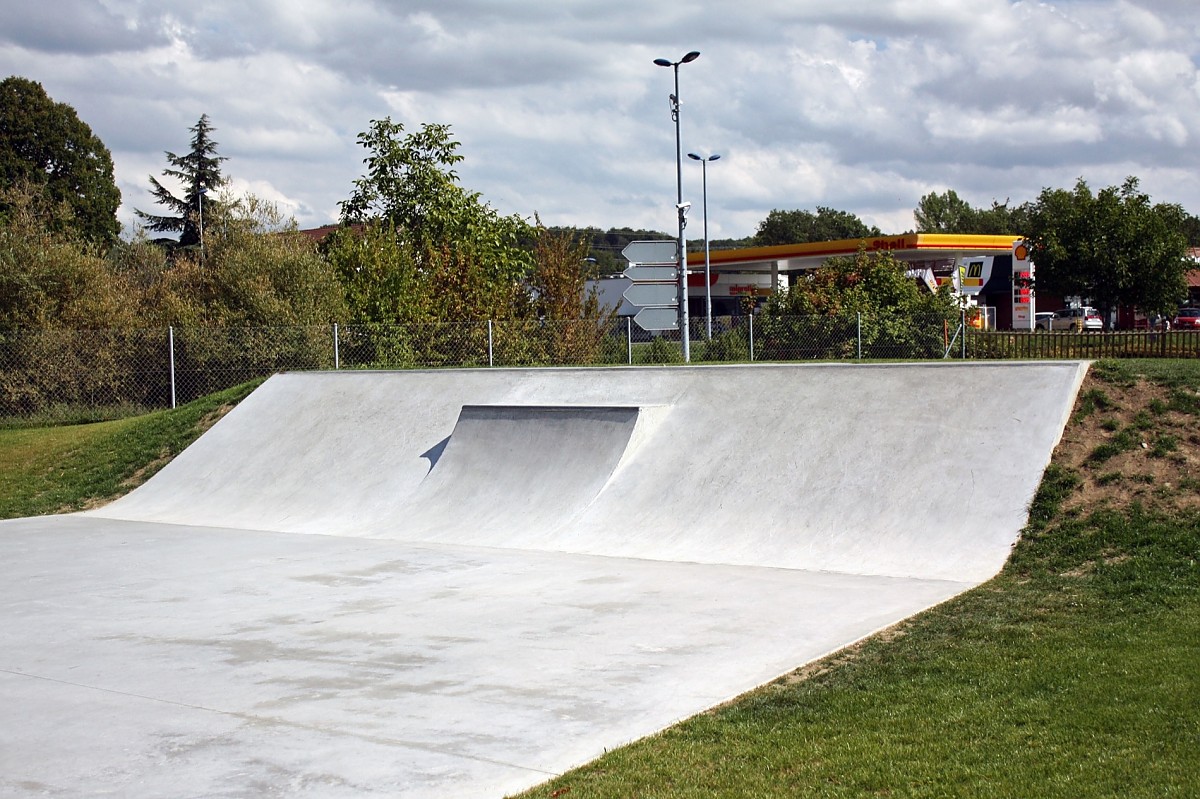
{"x": 337, "y": 593}
{"x": 153, "y": 660}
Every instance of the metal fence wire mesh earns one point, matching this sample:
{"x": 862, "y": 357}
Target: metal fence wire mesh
{"x": 46, "y": 374}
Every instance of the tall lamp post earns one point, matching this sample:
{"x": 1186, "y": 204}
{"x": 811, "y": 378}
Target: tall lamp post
{"x": 680, "y": 207}
{"x": 707, "y": 277}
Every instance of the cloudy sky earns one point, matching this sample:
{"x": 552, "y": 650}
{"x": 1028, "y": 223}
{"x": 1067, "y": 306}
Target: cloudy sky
{"x": 862, "y": 105}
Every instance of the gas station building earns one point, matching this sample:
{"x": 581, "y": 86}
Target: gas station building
{"x": 979, "y": 267}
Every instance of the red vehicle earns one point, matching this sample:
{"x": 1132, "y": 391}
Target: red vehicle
{"x": 1187, "y": 319}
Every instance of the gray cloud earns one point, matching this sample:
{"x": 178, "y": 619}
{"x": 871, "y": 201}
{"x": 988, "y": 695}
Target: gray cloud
{"x": 82, "y": 27}
{"x": 862, "y": 106}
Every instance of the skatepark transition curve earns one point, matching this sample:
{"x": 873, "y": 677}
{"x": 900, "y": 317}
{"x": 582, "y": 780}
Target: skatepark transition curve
{"x": 913, "y": 470}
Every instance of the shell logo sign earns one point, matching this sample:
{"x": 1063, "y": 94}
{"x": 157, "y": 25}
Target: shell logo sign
{"x": 1022, "y": 288}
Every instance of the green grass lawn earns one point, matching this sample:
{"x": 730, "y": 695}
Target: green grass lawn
{"x": 60, "y": 469}
{"x": 1074, "y": 673}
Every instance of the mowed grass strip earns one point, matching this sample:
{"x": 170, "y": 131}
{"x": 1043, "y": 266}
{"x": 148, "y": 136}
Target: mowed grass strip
{"x": 60, "y": 469}
{"x": 1040, "y": 684}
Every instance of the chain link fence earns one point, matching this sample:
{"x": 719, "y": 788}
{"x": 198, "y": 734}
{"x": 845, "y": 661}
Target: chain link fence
{"x": 58, "y": 375}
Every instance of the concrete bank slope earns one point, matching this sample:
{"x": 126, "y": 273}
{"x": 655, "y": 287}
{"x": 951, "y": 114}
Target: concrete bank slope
{"x": 904, "y": 470}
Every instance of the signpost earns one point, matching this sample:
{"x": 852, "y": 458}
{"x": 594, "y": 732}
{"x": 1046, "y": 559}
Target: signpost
{"x": 659, "y": 294}
{"x": 657, "y": 319}
{"x": 655, "y": 289}
{"x": 651, "y": 274}
{"x": 650, "y": 252}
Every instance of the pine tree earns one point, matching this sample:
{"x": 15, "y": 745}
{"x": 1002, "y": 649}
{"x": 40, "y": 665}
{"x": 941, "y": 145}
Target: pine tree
{"x": 199, "y": 171}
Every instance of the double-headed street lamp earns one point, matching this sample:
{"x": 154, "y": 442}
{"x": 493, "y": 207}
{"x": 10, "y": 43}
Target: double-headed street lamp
{"x": 680, "y": 206}
{"x": 707, "y": 278}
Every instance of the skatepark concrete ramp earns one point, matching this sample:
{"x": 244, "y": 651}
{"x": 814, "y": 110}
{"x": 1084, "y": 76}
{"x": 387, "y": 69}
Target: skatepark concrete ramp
{"x": 520, "y": 467}
{"x": 912, "y": 470}
{"x": 460, "y": 583}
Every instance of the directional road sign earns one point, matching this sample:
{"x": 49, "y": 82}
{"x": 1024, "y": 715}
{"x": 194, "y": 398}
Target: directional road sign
{"x": 651, "y": 274}
{"x": 657, "y": 319}
{"x": 651, "y": 252}
{"x": 652, "y": 294}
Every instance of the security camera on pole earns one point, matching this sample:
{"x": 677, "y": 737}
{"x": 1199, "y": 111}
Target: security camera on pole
{"x": 680, "y": 206}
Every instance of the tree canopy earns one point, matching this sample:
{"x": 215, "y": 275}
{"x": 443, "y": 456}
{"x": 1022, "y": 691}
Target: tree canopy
{"x": 47, "y": 145}
{"x": 802, "y": 226}
{"x": 870, "y": 298}
{"x": 199, "y": 172}
{"x": 949, "y": 213}
{"x": 411, "y": 193}
{"x": 257, "y": 271}
{"x": 410, "y": 180}
{"x": 1191, "y": 230}
{"x": 1113, "y": 247}
{"x": 50, "y": 276}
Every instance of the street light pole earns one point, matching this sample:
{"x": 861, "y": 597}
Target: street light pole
{"x": 707, "y": 277}
{"x": 200, "y": 203}
{"x": 680, "y": 207}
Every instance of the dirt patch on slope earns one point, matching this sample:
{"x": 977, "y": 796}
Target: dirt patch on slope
{"x": 1132, "y": 443}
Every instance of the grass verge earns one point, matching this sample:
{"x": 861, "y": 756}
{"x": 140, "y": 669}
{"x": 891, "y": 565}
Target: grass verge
{"x": 60, "y": 469}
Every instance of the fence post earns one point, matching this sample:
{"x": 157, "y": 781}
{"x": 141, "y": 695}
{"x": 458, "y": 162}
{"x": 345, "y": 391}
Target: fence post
{"x": 963, "y": 322}
{"x": 337, "y": 361}
{"x": 859, "y": 334}
{"x": 171, "y": 351}
{"x": 752, "y": 338}
{"x": 491, "y": 359}
{"x": 629, "y": 337}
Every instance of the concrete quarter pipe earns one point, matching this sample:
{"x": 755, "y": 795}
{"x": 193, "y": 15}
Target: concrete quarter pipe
{"x": 464, "y": 582}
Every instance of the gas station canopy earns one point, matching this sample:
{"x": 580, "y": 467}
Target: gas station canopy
{"x": 912, "y": 247}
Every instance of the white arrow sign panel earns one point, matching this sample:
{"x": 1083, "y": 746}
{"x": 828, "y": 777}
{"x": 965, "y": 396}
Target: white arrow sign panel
{"x": 657, "y": 274}
{"x": 651, "y": 252}
{"x": 657, "y": 319}
{"x": 652, "y": 294}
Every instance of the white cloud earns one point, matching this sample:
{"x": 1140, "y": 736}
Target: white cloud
{"x": 862, "y": 107}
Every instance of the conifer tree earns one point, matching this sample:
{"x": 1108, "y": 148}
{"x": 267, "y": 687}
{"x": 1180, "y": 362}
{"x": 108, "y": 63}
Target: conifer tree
{"x": 199, "y": 172}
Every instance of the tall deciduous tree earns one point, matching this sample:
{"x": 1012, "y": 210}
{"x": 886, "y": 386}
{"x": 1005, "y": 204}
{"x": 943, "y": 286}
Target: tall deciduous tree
{"x": 424, "y": 248}
{"x": 1114, "y": 247}
{"x": 411, "y": 184}
{"x": 571, "y": 320}
{"x": 559, "y": 290}
{"x": 1191, "y": 230}
{"x": 50, "y": 276}
{"x": 948, "y": 213}
{"x": 199, "y": 173}
{"x": 410, "y": 179}
{"x": 801, "y": 227}
{"x": 45, "y": 144}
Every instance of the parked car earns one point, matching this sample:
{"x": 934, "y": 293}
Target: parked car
{"x": 1075, "y": 319}
{"x": 1042, "y": 319}
{"x": 1187, "y": 319}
